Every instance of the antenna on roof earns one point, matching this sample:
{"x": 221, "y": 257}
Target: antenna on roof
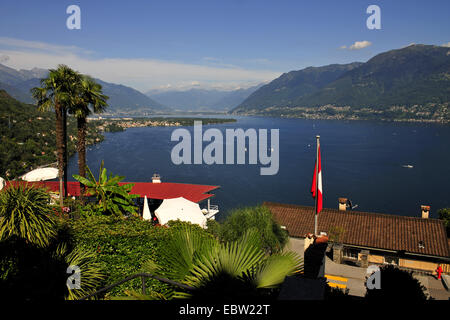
{"x": 350, "y": 205}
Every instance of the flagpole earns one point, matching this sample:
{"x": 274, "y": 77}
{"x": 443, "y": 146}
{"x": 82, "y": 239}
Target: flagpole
{"x": 317, "y": 184}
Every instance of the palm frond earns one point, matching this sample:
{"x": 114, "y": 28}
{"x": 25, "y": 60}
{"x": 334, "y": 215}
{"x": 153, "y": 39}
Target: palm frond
{"x": 276, "y": 267}
{"x": 90, "y": 272}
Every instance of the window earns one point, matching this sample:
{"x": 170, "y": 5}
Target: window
{"x": 350, "y": 253}
{"x": 391, "y": 260}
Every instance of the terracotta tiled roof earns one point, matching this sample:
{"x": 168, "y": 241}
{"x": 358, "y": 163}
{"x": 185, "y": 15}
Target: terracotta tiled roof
{"x": 365, "y": 229}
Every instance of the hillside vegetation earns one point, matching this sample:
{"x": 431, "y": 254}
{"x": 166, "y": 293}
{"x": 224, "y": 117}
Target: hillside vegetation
{"x": 28, "y": 137}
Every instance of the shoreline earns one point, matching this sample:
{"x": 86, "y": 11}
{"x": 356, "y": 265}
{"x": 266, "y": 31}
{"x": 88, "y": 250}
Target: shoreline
{"x": 410, "y": 120}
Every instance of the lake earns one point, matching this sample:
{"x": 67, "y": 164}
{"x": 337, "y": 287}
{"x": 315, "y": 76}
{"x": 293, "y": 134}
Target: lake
{"x": 361, "y": 160}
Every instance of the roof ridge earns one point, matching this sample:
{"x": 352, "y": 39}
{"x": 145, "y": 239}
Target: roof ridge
{"x": 192, "y": 184}
{"x": 394, "y": 216}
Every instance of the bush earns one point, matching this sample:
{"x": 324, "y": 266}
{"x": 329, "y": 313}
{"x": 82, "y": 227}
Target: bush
{"x": 33, "y": 272}
{"x": 397, "y": 284}
{"x": 273, "y": 237}
{"x": 30, "y": 272}
{"x": 213, "y": 227}
{"x": 122, "y": 245}
{"x": 25, "y": 213}
{"x": 444, "y": 215}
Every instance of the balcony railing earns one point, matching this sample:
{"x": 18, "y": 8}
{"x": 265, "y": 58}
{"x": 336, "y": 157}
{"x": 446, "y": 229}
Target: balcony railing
{"x": 213, "y": 207}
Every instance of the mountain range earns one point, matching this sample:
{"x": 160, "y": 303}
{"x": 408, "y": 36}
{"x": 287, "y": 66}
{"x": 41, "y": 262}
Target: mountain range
{"x": 202, "y": 99}
{"x": 413, "y": 81}
{"x": 413, "y": 75}
{"x": 126, "y": 100}
{"x": 122, "y": 99}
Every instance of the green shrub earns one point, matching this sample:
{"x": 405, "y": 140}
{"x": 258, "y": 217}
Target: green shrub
{"x": 122, "y": 245}
{"x": 444, "y": 215}
{"x": 25, "y": 213}
{"x": 32, "y": 272}
{"x": 213, "y": 227}
{"x": 397, "y": 284}
{"x": 274, "y": 238}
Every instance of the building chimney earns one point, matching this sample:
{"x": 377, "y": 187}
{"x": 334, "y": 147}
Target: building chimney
{"x": 156, "y": 178}
{"x": 342, "y": 204}
{"x": 425, "y": 211}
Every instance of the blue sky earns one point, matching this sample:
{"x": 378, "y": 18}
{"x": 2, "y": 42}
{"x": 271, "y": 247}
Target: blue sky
{"x": 223, "y": 43}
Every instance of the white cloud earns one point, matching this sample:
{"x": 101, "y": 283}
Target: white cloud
{"x": 360, "y": 45}
{"x": 141, "y": 74}
{"x": 343, "y": 47}
{"x": 447, "y": 45}
{"x": 40, "y": 46}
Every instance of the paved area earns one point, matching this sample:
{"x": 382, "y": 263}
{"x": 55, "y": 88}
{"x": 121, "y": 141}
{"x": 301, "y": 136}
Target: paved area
{"x": 353, "y": 278}
{"x": 435, "y": 287}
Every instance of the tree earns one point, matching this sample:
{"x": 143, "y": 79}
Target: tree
{"x": 240, "y": 220}
{"x": 112, "y": 197}
{"x": 89, "y": 95}
{"x": 335, "y": 233}
{"x": 58, "y": 91}
{"x": 222, "y": 271}
{"x": 397, "y": 284}
{"x": 444, "y": 215}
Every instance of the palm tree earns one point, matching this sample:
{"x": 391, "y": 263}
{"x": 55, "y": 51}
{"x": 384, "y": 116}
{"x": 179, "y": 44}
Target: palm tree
{"x": 221, "y": 271}
{"x": 58, "y": 91}
{"x": 89, "y": 95}
{"x": 25, "y": 214}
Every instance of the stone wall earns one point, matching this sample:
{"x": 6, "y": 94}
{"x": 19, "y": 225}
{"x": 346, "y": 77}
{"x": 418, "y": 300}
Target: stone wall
{"x": 337, "y": 252}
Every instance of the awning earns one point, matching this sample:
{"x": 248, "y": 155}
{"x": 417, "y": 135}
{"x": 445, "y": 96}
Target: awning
{"x": 180, "y": 209}
{"x": 41, "y": 174}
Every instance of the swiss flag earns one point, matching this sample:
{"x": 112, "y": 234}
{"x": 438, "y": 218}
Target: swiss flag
{"x": 315, "y": 179}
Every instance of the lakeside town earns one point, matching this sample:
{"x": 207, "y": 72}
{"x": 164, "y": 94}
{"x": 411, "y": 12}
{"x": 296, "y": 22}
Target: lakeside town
{"x": 430, "y": 113}
{"x": 114, "y": 124}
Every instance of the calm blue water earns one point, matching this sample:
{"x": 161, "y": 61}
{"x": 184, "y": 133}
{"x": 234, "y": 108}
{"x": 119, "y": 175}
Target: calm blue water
{"x": 361, "y": 160}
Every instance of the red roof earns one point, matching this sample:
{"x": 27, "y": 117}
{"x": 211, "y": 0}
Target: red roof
{"x": 163, "y": 190}
{"x": 169, "y": 190}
